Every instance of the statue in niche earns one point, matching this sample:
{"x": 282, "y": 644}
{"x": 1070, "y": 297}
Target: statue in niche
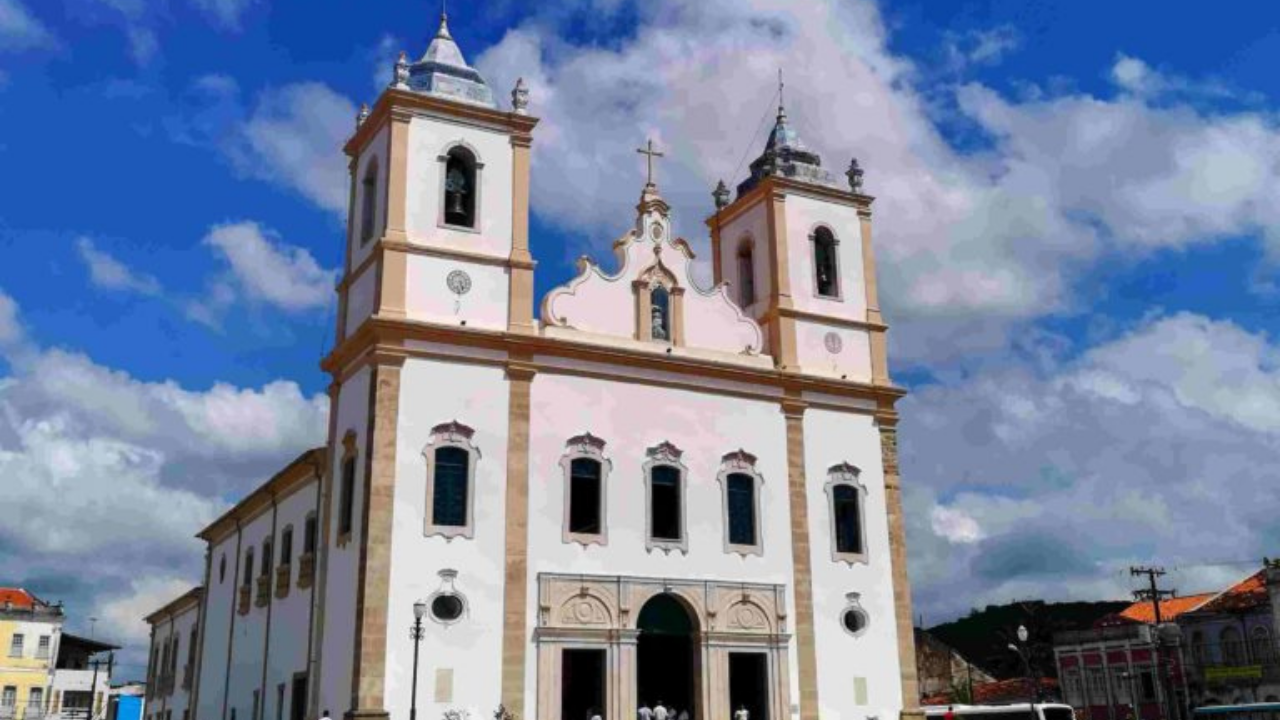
{"x": 659, "y": 328}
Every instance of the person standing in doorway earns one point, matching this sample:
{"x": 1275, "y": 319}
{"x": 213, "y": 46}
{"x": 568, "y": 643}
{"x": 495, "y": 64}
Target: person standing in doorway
{"x": 660, "y": 711}
{"x": 644, "y": 713}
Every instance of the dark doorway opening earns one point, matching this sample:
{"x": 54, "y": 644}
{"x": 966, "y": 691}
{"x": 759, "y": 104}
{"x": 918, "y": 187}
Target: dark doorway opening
{"x": 582, "y": 684}
{"x": 749, "y": 684}
{"x": 667, "y": 667}
{"x": 298, "y": 699}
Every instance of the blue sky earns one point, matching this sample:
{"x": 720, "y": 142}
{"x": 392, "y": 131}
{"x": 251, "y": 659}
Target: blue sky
{"x": 1077, "y": 227}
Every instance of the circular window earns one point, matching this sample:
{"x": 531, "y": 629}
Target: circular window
{"x": 854, "y": 621}
{"x": 222, "y": 568}
{"x": 447, "y": 608}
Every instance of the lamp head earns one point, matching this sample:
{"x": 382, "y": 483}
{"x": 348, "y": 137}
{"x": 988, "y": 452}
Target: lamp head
{"x": 1022, "y": 633}
{"x": 419, "y": 609}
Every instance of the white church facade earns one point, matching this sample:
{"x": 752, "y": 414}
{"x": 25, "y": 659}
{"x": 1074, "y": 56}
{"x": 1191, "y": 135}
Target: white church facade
{"x": 571, "y": 551}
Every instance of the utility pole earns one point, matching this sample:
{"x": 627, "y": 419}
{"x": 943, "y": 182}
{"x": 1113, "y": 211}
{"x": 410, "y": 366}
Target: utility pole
{"x": 1153, "y": 593}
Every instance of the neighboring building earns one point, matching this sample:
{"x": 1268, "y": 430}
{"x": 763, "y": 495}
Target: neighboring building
{"x": 943, "y": 673}
{"x": 653, "y": 492}
{"x": 1230, "y": 643}
{"x": 1109, "y": 672}
{"x": 30, "y": 630}
{"x": 127, "y": 701}
{"x": 174, "y": 649}
{"x": 81, "y": 679}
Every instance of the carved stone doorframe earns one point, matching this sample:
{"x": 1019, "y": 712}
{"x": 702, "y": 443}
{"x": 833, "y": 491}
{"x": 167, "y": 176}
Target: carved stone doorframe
{"x": 600, "y": 612}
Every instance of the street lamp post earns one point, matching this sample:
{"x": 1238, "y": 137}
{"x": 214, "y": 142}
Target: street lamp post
{"x": 415, "y": 634}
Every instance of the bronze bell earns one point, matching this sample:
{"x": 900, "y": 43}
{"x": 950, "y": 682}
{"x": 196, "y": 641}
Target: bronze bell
{"x": 455, "y": 203}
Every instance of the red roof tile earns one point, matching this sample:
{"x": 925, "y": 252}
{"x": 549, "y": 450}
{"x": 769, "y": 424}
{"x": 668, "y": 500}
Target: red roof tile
{"x": 1171, "y": 608}
{"x": 1250, "y": 592}
{"x": 17, "y": 597}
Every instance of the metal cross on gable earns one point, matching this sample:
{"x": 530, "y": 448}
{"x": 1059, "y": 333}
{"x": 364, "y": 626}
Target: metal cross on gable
{"x": 648, "y": 151}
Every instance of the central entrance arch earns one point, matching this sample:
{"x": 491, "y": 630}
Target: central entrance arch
{"x": 667, "y": 667}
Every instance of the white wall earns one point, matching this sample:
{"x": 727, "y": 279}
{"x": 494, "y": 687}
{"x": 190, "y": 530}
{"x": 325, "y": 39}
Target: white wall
{"x": 219, "y": 600}
{"x": 831, "y": 438}
{"x": 290, "y": 615}
{"x": 753, "y": 225}
{"x": 360, "y": 299}
{"x": 177, "y": 626}
{"x": 433, "y": 393}
{"x": 343, "y": 562}
{"x": 631, "y": 418}
{"x": 852, "y": 362}
{"x": 429, "y": 138}
{"x": 375, "y": 150}
{"x": 249, "y": 630}
{"x": 803, "y": 216}
{"x": 428, "y": 296}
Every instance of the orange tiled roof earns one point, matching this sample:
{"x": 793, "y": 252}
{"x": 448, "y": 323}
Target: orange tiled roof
{"x": 18, "y": 597}
{"x": 1249, "y": 593}
{"x": 1169, "y": 609}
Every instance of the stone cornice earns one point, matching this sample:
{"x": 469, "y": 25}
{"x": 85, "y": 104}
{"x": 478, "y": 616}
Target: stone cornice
{"x": 292, "y": 477}
{"x": 404, "y": 104}
{"x": 774, "y": 185}
{"x": 391, "y": 336}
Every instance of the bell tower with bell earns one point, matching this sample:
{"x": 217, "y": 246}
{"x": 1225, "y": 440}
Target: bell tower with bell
{"x": 439, "y": 216}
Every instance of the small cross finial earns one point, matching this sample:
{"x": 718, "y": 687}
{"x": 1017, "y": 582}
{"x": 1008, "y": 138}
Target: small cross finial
{"x": 648, "y": 151}
{"x": 781, "y": 87}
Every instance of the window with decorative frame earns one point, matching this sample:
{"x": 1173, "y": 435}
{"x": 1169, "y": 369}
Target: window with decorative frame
{"x": 659, "y": 305}
{"x": 826, "y": 262}
{"x": 586, "y": 481}
{"x": 740, "y": 484}
{"x": 451, "y": 460}
{"x": 665, "y": 479}
{"x": 846, "y": 497}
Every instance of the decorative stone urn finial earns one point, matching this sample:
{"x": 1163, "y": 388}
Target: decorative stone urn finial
{"x": 854, "y": 173}
{"x": 721, "y": 195}
{"x": 520, "y": 97}
{"x": 363, "y": 114}
{"x": 401, "y": 80}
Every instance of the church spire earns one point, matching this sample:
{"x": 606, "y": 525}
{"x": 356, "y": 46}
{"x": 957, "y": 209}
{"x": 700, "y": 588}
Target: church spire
{"x": 443, "y": 71}
{"x": 786, "y": 154}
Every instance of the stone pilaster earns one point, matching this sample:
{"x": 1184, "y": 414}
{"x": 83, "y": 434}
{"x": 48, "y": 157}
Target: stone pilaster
{"x": 898, "y": 558}
{"x": 801, "y": 560}
{"x": 515, "y": 591}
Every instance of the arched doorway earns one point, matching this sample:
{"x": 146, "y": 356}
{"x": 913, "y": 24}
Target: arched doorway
{"x": 667, "y": 669}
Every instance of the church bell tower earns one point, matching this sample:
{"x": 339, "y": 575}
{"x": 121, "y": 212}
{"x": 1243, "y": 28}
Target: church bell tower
{"x": 439, "y": 213}
{"x": 795, "y": 247}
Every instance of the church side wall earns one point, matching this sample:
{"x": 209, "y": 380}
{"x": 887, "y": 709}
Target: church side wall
{"x": 460, "y": 664}
{"x": 429, "y": 139}
{"x": 343, "y": 561}
{"x": 830, "y": 438}
{"x": 753, "y": 224}
{"x": 249, "y": 631}
{"x": 376, "y": 150}
{"x": 219, "y": 599}
{"x": 290, "y": 615}
{"x": 631, "y": 418}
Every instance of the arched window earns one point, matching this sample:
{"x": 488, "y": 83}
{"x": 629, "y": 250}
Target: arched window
{"x": 660, "y": 311}
{"x": 746, "y": 274}
{"x": 846, "y": 495}
{"x": 664, "y": 476}
{"x": 309, "y": 531}
{"x": 1232, "y": 647}
{"x": 460, "y": 187}
{"x": 740, "y": 484}
{"x": 451, "y": 466}
{"x": 1260, "y": 646}
{"x": 347, "y": 490}
{"x": 286, "y": 546}
{"x": 369, "y": 202}
{"x": 586, "y": 471}
{"x": 1197, "y": 647}
{"x": 825, "y": 263}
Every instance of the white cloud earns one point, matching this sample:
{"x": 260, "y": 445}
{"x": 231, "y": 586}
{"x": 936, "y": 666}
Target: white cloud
{"x": 1136, "y": 76}
{"x": 271, "y": 271}
{"x": 89, "y": 453}
{"x": 1048, "y": 483}
{"x": 226, "y": 13}
{"x": 987, "y": 46}
{"x": 294, "y": 138}
{"x": 109, "y": 273}
{"x": 1068, "y": 180}
{"x": 19, "y": 29}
